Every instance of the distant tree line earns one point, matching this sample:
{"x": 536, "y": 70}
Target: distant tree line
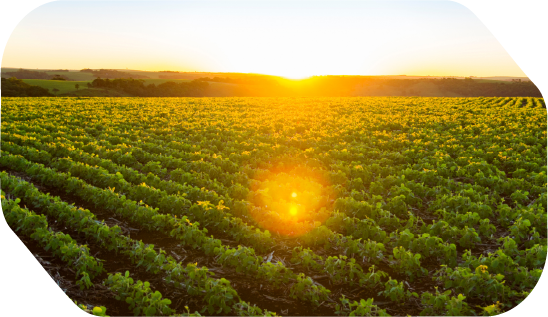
{"x": 13, "y": 87}
{"x": 112, "y": 74}
{"x": 58, "y": 77}
{"x": 31, "y": 74}
{"x": 137, "y": 87}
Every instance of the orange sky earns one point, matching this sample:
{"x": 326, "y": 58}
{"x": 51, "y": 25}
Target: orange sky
{"x": 293, "y": 39}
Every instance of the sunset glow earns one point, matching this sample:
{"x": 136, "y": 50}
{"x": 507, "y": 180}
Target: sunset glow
{"x": 273, "y": 157}
{"x": 293, "y": 39}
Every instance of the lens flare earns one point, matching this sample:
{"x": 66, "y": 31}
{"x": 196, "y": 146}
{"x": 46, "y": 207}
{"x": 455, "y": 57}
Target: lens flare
{"x": 290, "y": 200}
{"x": 293, "y": 210}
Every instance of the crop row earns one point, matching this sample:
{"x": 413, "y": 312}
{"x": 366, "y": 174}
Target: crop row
{"x": 241, "y": 258}
{"x": 140, "y": 297}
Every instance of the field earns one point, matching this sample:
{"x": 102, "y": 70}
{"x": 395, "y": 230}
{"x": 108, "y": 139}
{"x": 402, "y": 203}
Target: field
{"x": 73, "y": 75}
{"x": 293, "y": 206}
{"x": 63, "y": 86}
{"x": 68, "y": 86}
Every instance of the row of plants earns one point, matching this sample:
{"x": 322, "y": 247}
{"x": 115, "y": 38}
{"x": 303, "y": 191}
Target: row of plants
{"x": 101, "y": 177}
{"x": 402, "y": 261}
{"x": 169, "y": 198}
{"x": 393, "y": 218}
{"x": 217, "y": 293}
{"x": 429, "y": 175}
{"x": 139, "y": 296}
{"x": 337, "y": 270}
{"x": 177, "y": 173}
{"x": 371, "y": 250}
{"x": 28, "y": 223}
{"x": 241, "y": 258}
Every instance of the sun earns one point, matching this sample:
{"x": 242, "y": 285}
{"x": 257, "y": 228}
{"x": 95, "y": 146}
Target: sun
{"x": 296, "y": 76}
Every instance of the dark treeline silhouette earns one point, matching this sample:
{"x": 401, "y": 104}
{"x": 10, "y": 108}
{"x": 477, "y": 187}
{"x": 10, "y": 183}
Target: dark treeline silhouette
{"x": 31, "y": 74}
{"x": 13, "y": 87}
{"x": 137, "y": 87}
{"x": 58, "y": 77}
{"x": 111, "y": 74}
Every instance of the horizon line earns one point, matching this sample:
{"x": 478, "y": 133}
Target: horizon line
{"x": 215, "y": 72}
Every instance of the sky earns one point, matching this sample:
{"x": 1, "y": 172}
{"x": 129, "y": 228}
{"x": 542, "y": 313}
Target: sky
{"x": 294, "y": 39}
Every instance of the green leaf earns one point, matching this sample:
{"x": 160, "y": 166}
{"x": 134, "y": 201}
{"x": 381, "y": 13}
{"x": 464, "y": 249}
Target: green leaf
{"x": 150, "y": 311}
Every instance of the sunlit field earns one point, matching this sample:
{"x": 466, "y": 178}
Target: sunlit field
{"x": 288, "y": 206}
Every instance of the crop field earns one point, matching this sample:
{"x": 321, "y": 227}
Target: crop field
{"x": 287, "y": 206}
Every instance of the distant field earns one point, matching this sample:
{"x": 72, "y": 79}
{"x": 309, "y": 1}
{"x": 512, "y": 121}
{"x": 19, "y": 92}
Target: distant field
{"x": 423, "y": 89}
{"x": 163, "y": 80}
{"x": 71, "y": 75}
{"x": 96, "y": 92}
{"x": 158, "y": 81}
{"x": 77, "y": 76}
{"x": 63, "y": 86}
{"x": 493, "y": 81}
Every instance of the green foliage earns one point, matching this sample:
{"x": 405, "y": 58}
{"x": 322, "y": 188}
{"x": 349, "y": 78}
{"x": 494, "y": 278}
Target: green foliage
{"x": 306, "y": 289}
{"x": 396, "y": 292}
{"x": 361, "y": 308}
{"x": 14, "y": 87}
{"x": 422, "y": 178}
{"x": 479, "y": 283}
{"x": 138, "y": 295}
{"x": 85, "y": 266}
{"x": 405, "y": 261}
{"x": 444, "y": 304}
{"x": 95, "y": 311}
{"x": 137, "y": 87}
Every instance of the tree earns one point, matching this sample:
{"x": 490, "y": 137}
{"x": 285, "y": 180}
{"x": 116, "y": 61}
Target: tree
{"x": 55, "y": 90}
{"x": 77, "y": 86}
{"x": 14, "y": 87}
{"x": 59, "y": 77}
